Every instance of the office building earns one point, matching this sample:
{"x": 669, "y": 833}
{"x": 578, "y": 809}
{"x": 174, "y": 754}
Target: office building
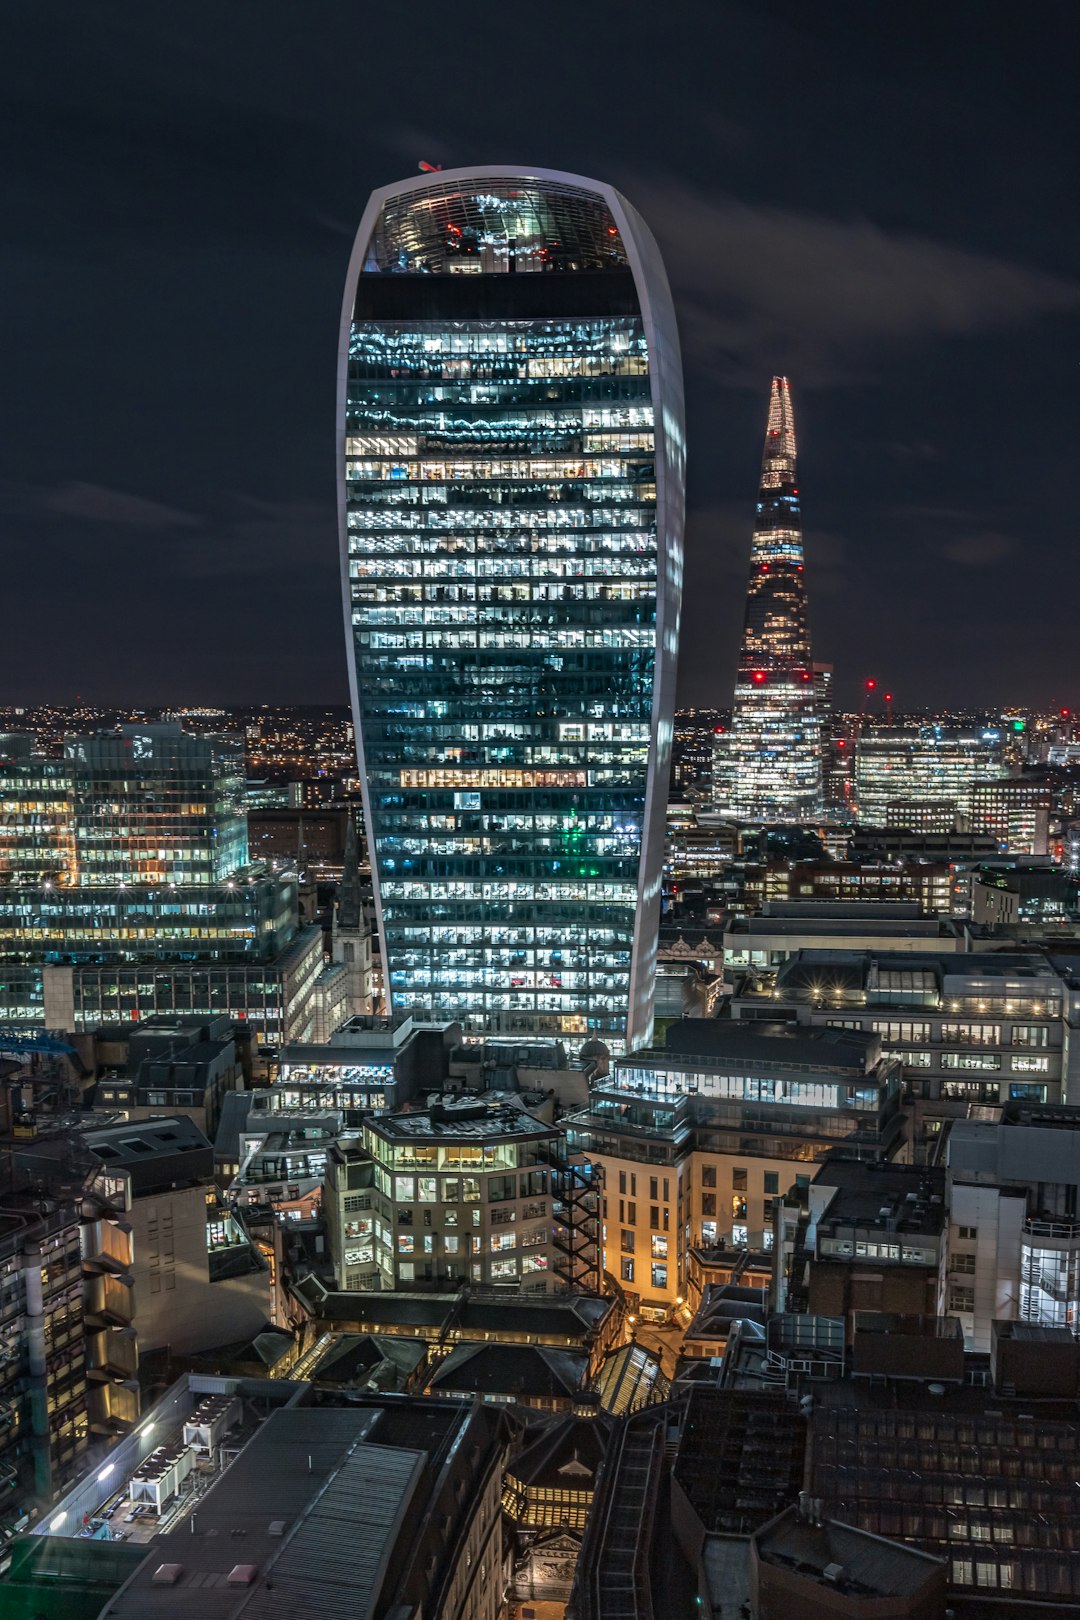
{"x": 698, "y": 1140}
{"x": 182, "y": 1067}
{"x": 760, "y": 946}
{"x": 511, "y": 457}
{"x": 196, "y": 1279}
{"x": 1016, "y": 811}
{"x": 148, "y": 805}
{"x": 1014, "y": 1221}
{"x": 68, "y": 1352}
{"x": 37, "y": 831}
{"x": 126, "y": 893}
{"x": 768, "y": 764}
{"x": 969, "y": 1028}
{"x": 917, "y": 775}
{"x": 480, "y": 1192}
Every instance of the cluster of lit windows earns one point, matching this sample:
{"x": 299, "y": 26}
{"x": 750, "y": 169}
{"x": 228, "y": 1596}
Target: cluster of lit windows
{"x": 501, "y": 503}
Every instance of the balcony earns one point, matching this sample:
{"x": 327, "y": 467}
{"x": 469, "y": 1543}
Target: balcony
{"x": 1062, "y": 1234}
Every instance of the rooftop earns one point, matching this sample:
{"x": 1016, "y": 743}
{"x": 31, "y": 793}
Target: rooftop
{"x": 295, "y": 1527}
{"x": 847, "y": 1559}
{"x": 907, "y": 1199}
{"x": 524, "y": 1371}
{"x": 744, "y": 1041}
{"x": 462, "y": 1122}
{"x": 130, "y": 1144}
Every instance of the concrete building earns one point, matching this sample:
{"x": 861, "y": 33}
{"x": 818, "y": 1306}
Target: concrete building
{"x": 1014, "y": 1221}
{"x": 368, "y": 1065}
{"x": 698, "y": 1140}
{"x": 978, "y": 1027}
{"x": 177, "y": 1067}
{"x": 196, "y": 1279}
{"x": 276, "y": 996}
{"x": 872, "y": 1237}
{"x": 761, "y": 945}
{"x": 68, "y": 1356}
{"x": 1016, "y": 812}
{"x": 484, "y": 1192}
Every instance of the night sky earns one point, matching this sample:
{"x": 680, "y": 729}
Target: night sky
{"x": 880, "y": 200}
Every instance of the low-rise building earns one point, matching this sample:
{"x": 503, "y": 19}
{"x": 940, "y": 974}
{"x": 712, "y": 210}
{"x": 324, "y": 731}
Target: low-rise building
{"x": 698, "y": 1139}
{"x": 1014, "y": 1221}
{"x": 980, "y": 1027}
{"x": 482, "y": 1192}
{"x": 196, "y": 1278}
{"x": 872, "y": 1239}
{"x": 821, "y": 1569}
{"x": 785, "y": 929}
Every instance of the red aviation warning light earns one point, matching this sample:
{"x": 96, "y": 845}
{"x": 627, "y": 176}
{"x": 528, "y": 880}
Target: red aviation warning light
{"x": 429, "y": 168}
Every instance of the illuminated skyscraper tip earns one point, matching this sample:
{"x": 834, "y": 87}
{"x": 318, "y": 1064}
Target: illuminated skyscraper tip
{"x": 780, "y": 432}
{"x": 768, "y": 766}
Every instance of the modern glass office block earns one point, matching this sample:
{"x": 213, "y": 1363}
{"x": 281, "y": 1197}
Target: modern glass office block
{"x": 511, "y": 460}
{"x": 154, "y": 804}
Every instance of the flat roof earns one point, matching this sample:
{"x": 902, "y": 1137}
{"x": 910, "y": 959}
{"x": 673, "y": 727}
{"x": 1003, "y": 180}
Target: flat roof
{"x": 297, "y": 1514}
{"x": 469, "y": 1123}
{"x": 860, "y": 1564}
{"x": 741, "y": 1040}
{"x": 889, "y": 1197}
{"x": 137, "y": 1141}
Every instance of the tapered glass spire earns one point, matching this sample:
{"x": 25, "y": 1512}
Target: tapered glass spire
{"x": 768, "y": 764}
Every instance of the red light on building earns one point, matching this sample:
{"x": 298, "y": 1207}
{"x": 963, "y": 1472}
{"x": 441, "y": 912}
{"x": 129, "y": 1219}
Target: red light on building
{"x": 759, "y": 675}
{"x": 871, "y": 686}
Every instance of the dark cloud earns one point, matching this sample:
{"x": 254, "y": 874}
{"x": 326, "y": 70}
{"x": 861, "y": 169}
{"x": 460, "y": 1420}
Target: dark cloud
{"x": 93, "y": 504}
{"x": 831, "y": 294}
{"x": 978, "y": 550}
{"x": 873, "y": 199}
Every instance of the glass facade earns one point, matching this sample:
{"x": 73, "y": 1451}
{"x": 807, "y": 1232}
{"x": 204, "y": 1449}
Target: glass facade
{"x": 156, "y": 805}
{"x": 769, "y": 764}
{"x": 247, "y": 918}
{"x": 922, "y": 765}
{"x": 512, "y": 472}
{"x": 148, "y": 804}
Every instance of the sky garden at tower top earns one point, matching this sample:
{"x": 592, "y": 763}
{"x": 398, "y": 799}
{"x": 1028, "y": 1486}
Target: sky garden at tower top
{"x": 511, "y": 461}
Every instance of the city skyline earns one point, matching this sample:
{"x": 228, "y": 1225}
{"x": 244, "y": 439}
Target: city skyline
{"x": 929, "y": 328}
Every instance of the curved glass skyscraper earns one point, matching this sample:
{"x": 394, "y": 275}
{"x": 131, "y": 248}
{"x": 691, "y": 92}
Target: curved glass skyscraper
{"x": 511, "y": 452}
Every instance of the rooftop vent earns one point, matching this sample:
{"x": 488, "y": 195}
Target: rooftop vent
{"x": 167, "y": 1574}
{"x": 242, "y": 1574}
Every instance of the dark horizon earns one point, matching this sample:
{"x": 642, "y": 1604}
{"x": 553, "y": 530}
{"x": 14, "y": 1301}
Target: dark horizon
{"x": 873, "y": 203}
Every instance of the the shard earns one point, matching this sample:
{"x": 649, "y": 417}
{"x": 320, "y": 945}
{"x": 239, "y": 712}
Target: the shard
{"x": 769, "y": 761}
